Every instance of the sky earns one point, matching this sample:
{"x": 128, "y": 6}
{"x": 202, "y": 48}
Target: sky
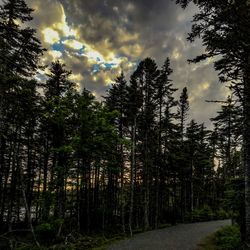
{"x": 97, "y": 39}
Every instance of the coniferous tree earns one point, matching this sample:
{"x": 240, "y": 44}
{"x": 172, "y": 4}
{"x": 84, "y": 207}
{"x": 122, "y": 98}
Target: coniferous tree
{"x": 164, "y": 101}
{"x": 58, "y": 90}
{"x": 19, "y": 54}
{"x": 183, "y": 107}
{"x": 20, "y": 50}
{"x": 227, "y": 122}
{"x": 116, "y": 100}
{"x": 193, "y": 137}
{"x": 134, "y": 105}
{"x": 224, "y": 29}
{"x": 148, "y": 76}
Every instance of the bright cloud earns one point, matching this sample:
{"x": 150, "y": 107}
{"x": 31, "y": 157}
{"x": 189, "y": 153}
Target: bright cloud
{"x": 50, "y": 36}
{"x": 55, "y": 54}
{"x": 73, "y": 44}
{"x": 103, "y": 63}
{"x": 63, "y": 25}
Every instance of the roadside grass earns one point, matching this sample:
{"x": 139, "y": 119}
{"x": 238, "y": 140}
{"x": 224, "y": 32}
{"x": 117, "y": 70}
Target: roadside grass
{"x": 74, "y": 242}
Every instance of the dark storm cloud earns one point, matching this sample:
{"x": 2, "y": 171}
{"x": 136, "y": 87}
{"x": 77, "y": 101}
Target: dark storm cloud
{"x": 132, "y": 30}
{"x": 152, "y": 20}
{"x": 161, "y": 27}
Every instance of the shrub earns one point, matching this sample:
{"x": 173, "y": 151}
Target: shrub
{"x": 207, "y": 214}
{"x": 221, "y": 214}
{"x": 202, "y": 214}
{"x": 228, "y": 238}
{"x": 47, "y": 232}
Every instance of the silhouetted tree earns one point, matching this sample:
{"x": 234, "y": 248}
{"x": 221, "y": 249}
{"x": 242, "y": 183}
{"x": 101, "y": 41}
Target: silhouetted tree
{"x": 224, "y": 29}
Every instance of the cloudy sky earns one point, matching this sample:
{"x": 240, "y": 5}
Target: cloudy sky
{"x": 98, "y": 38}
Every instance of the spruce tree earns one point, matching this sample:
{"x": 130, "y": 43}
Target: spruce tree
{"x": 134, "y": 105}
{"x": 116, "y": 100}
{"x": 148, "y": 73}
{"x": 224, "y": 29}
{"x": 227, "y": 122}
{"x": 164, "y": 100}
{"x": 183, "y": 108}
{"x": 58, "y": 93}
{"x": 21, "y": 50}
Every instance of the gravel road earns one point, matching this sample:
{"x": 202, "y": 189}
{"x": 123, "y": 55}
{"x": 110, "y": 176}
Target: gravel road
{"x": 180, "y": 237}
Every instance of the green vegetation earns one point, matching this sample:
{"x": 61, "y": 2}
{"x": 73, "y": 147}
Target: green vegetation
{"x": 207, "y": 214}
{"x": 71, "y": 242}
{"x": 227, "y": 238}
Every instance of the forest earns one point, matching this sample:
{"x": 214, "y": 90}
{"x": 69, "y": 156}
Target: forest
{"x": 72, "y": 165}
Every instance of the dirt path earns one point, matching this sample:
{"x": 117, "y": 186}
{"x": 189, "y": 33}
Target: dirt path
{"x": 180, "y": 237}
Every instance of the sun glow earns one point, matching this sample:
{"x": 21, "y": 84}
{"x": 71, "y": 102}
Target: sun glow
{"x": 74, "y": 44}
{"x": 50, "y": 36}
{"x": 63, "y": 25}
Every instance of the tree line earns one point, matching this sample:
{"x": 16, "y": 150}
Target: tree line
{"x": 70, "y": 163}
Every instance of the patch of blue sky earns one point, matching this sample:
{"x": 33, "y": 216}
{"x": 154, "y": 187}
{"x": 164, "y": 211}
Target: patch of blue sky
{"x": 81, "y": 50}
{"x": 96, "y": 68}
{"x": 58, "y": 47}
{"x": 109, "y": 66}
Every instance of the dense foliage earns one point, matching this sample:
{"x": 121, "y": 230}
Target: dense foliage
{"x": 226, "y": 238}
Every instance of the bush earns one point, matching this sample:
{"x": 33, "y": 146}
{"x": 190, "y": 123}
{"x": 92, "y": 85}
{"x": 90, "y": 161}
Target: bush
{"x": 47, "y": 232}
{"x": 221, "y": 214}
{"x": 44, "y": 228}
{"x": 203, "y": 214}
{"x": 207, "y": 214}
{"x": 228, "y": 238}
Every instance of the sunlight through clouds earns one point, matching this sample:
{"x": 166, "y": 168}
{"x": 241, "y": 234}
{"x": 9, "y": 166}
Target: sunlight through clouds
{"x": 73, "y": 44}
{"x": 66, "y": 44}
{"x": 200, "y": 91}
{"x": 176, "y": 54}
{"x": 63, "y": 25}
{"x": 50, "y": 36}
{"x": 98, "y": 41}
{"x": 55, "y": 54}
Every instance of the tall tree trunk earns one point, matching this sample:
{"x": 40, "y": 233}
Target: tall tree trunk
{"x": 3, "y": 169}
{"x": 192, "y": 186}
{"x": 89, "y": 207}
{"x": 246, "y": 141}
{"x": 122, "y": 177}
{"x": 158, "y": 165}
{"x": 39, "y": 181}
{"x": 146, "y": 185}
{"x": 132, "y": 180}
{"x": 5, "y": 184}
{"x": 14, "y": 177}
{"x": 78, "y": 185}
{"x": 27, "y": 208}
